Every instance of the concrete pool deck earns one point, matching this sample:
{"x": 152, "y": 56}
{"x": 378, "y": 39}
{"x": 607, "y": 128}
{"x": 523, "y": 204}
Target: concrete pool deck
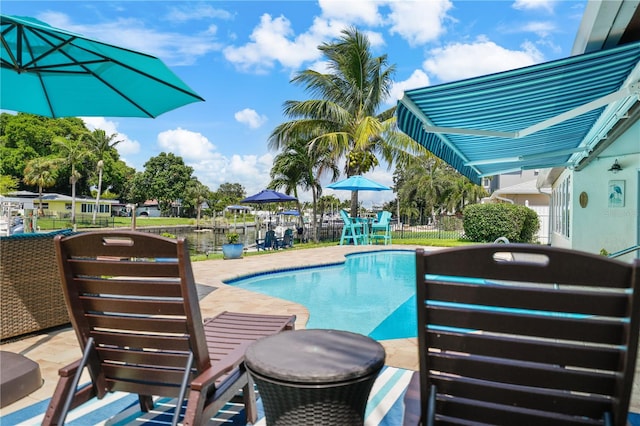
{"x": 58, "y": 348}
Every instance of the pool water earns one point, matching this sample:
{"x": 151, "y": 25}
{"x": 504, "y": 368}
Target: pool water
{"x": 370, "y": 293}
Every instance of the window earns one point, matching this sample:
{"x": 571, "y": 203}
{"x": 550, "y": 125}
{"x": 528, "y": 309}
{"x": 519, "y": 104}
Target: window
{"x": 88, "y": 208}
{"x": 561, "y": 200}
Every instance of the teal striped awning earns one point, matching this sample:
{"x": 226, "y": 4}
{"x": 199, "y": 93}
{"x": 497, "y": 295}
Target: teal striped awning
{"x": 546, "y": 115}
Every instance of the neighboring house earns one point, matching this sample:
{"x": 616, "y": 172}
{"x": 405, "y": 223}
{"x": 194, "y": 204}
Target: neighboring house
{"x": 509, "y": 179}
{"x": 527, "y": 194}
{"x": 59, "y": 205}
{"x": 572, "y": 119}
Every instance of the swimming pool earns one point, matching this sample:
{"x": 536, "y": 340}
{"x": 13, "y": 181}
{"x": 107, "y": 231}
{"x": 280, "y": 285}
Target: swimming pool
{"x": 370, "y": 293}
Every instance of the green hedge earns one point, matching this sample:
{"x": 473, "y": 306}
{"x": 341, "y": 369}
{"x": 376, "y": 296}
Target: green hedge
{"x": 487, "y": 222}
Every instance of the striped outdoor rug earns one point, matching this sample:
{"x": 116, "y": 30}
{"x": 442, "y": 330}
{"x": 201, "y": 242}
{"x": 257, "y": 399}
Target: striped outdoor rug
{"x": 384, "y": 408}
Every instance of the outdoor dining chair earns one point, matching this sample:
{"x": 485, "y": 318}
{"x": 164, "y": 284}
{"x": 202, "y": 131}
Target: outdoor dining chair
{"x": 524, "y": 335}
{"x": 134, "y": 307}
{"x": 381, "y": 228}
{"x": 352, "y": 230}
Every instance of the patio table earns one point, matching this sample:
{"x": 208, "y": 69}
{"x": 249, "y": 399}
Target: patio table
{"x": 319, "y": 377}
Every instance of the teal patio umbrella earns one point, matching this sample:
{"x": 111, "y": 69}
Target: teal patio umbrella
{"x": 57, "y": 73}
{"x": 358, "y": 183}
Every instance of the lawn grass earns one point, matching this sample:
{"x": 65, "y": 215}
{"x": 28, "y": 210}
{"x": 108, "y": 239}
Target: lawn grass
{"x": 431, "y": 242}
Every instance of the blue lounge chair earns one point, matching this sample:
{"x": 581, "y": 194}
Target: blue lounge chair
{"x": 287, "y": 239}
{"x": 268, "y": 243}
{"x": 381, "y": 228}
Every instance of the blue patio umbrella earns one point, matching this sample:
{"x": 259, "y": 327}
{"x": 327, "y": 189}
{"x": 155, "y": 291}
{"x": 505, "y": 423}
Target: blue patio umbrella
{"x": 358, "y": 183}
{"x": 290, "y": 213}
{"x": 268, "y": 196}
{"x": 57, "y": 73}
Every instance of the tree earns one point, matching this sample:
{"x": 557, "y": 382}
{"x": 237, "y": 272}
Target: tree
{"x": 344, "y": 118}
{"x": 73, "y": 151}
{"x": 298, "y": 166}
{"x": 41, "y": 172}
{"x": 24, "y": 137}
{"x": 100, "y": 144}
{"x": 8, "y": 184}
{"x": 232, "y": 192}
{"x": 165, "y": 178}
{"x": 197, "y": 194}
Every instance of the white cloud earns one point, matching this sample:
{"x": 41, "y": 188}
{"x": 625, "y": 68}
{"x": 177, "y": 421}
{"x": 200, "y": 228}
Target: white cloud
{"x": 546, "y": 5}
{"x": 417, "y": 79}
{"x": 353, "y": 11}
{"x": 200, "y": 11}
{"x": 185, "y": 143}
{"x": 273, "y": 41}
{"x": 458, "y": 61}
{"x": 540, "y": 28}
{"x": 213, "y": 168}
{"x": 172, "y": 47}
{"x": 250, "y": 117}
{"x": 126, "y": 147}
{"x": 418, "y": 21}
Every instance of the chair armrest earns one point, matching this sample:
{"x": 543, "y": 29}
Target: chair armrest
{"x": 69, "y": 370}
{"x": 221, "y": 367}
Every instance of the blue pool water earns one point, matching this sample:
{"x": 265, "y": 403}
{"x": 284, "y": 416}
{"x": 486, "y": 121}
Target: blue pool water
{"x": 370, "y": 293}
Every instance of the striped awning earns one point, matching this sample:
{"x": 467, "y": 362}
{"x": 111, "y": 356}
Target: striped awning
{"x": 546, "y": 115}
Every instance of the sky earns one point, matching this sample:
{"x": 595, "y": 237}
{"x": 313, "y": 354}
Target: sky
{"x": 241, "y": 55}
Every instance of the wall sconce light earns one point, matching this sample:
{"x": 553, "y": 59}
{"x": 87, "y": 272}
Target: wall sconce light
{"x": 615, "y": 168}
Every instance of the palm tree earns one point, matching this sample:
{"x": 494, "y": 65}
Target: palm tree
{"x": 298, "y": 166}
{"x": 197, "y": 193}
{"x": 73, "y": 152}
{"x": 100, "y": 144}
{"x": 345, "y": 119}
{"x": 41, "y": 172}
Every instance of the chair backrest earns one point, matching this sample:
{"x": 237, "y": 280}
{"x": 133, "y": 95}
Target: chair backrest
{"x": 135, "y": 295}
{"x": 383, "y": 216}
{"x": 345, "y": 217}
{"x": 287, "y": 238}
{"x": 526, "y": 334}
{"x": 269, "y": 238}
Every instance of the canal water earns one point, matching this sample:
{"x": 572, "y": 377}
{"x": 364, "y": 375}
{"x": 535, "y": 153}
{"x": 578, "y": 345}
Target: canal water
{"x": 208, "y": 241}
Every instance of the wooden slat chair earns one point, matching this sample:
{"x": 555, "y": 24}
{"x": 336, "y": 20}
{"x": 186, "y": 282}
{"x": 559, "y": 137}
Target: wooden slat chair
{"x": 524, "y": 335}
{"x": 133, "y": 304}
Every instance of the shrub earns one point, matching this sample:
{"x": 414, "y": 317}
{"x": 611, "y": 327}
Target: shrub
{"x": 530, "y": 226}
{"x": 233, "y": 238}
{"x": 487, "y": 222}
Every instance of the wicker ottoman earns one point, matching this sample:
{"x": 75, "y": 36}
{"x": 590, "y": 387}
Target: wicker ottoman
{"x": 315, "y": 377}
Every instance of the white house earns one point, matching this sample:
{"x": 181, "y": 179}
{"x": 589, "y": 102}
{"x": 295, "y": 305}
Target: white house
{"x": 571, "y": 119}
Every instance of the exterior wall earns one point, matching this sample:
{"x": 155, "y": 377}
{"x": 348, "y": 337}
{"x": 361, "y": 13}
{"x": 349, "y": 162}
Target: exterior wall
{"x": 557, "y": 239}
{"x": 510, "y": 179}
{"x": 599, "y": 225}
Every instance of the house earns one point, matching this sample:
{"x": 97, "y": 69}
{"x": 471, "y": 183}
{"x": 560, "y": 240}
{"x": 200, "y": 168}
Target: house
{"x": 576, "y": 120}
{"x": 596, "y": 204}
{"x": 526, "y": 194}
{"x": 58, "y": 205}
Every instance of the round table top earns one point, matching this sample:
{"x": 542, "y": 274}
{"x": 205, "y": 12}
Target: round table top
{"x": 315, "y": 356}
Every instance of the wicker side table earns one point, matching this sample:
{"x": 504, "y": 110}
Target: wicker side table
{"x": 30, "y": 289}
{"x": 315, "y": 377}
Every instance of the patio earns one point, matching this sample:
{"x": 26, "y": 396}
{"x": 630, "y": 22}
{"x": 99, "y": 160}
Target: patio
{"x": 58, "y": 348}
